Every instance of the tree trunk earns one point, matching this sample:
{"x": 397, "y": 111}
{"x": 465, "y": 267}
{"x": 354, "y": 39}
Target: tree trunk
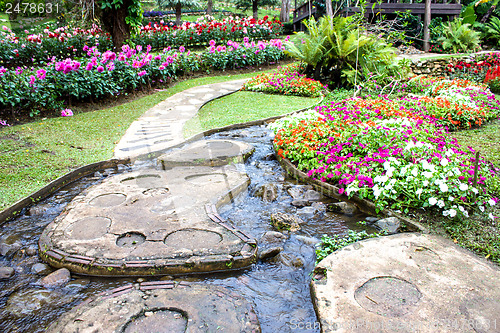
{"x": 488, "y": 14}
{"x": 329, "y": 9}
{"x": 209, "y": 7}
{"x": 285, "y": 11}
{"x": 178, "y": 13}
{"x": 427, "y": 21}
{"x": 13, "y": 13}
{"x": 113, "y": 20}
{"x": 255, "y": 9}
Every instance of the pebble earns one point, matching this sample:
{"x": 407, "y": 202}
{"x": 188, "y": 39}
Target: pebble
{"x": 40, "y": 269}
{"x": 6, "y": 272}
{"x": 56, "y": 279}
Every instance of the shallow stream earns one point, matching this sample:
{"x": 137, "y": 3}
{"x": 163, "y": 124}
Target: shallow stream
{"x": 279, "y": 288}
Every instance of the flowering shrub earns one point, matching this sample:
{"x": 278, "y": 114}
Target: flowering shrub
{"x": 98, "y": 74}
{"x": 33, "y": 48}
{"x": 287, "y": 81}
{"x": 395, "y": 155}
{"x": 474, "y": 69}
{"x": 160, "y": 35}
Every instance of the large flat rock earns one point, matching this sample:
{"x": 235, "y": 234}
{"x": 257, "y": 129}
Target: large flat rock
{"x": 151, "y": 222}
{"x": 208, "y": 152}
{"x": 163, "y": 306}
{"x": 406, "y": 283}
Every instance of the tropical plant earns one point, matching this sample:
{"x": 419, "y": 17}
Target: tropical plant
{"x": 459, "y": 37}
{"x": 339, "y": 51}
{"x": 492, "y": 30}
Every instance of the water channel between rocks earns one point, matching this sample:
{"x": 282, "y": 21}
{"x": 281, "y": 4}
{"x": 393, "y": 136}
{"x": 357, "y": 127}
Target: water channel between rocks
{"x": 278, "y": 288}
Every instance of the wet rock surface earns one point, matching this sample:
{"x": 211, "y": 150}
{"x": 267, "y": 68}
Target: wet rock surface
{"x": 6, "y": 272}
{"x": 404, "y": 280}
{"x": 390, "y": 225}
{"x": 267, "y": 192}
{"x": 343, "y": 207}
{"x": 163, "y": 306}
{"x": 288, "y": 222}
{"x": 56, "y": 279}
{"x": 40, "y": 269}
{"x": 160, "y": 222}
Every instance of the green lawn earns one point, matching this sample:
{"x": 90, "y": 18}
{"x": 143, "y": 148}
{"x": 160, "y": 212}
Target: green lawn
{"x": 4, "y": 20}
{"x": 244, "y": 106}
{"x": 36, "y": 153}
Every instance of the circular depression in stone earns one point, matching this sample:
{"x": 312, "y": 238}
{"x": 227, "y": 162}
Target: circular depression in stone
{"x": 88, "y": 228}
{"x": 146, "y": 181}
{"x": 108, "y": 200}
{"x": 154, "y": 192}
{"x": 388, "y": 296}
{"x": 130, "y": 239}
{"x": 205, "y": 179}
{"x": 192, "y": 239}
{"x": 159, "y": 321}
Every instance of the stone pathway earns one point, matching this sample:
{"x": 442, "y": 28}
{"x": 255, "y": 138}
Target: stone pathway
{"x": 161, "y": 307}
{"x": 160, "y": 127}
{"x": 157, "y": 221}
{"x": 407, "y": 282}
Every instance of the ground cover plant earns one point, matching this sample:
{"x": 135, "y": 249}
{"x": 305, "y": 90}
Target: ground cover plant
{"x": 398, "y": 153}
{"x": 286, "y": 80}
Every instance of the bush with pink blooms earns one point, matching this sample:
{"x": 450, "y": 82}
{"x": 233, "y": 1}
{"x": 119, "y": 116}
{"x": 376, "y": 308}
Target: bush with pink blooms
{"x": 44, "y": 89}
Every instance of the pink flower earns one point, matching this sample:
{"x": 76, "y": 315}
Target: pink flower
{"x": 66, "y": 113}
{"x": 212, "y": 43}
{"x": 89, "y": 66}
{"x": 32, "y": 80}
{"x": 181, "y": 49}
{"x": 110, "y": 66}
{"x": 142, "y": 73}
{"x": 100, "y": 69}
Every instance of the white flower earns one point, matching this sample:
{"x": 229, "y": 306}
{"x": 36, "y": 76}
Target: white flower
{"x": 452, "y": 212}
{"x": 491, "y": 216}
{"x": 443, "y": 187}
{"x": 387, "y": 165}
{"x": 450, "y": 198}
{"x": 381, "y": 179}
{"x": 419, "y": 191}
{"x": 376, "y": 191}
{"x": 474, "y": 190}
{"x": 440, "y": 203}
{"x": 444, "y": 162}
{"x": 414, "y": 172}
{"x": 463, "y": 187}
{"x": 466, "y": 213}
{"x": 492, "y": 202}
{"x": 390, "y": 170}
{"x": 481, "y": 208}
{"x": 427, "y": 174}
{"x": 432, "y": 201}
{"x": 425, "y": 183}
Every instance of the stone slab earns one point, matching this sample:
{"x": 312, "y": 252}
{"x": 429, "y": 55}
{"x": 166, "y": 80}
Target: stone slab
{"x": 406, "y": 283}
{"x": 208, "y": 152}
{"x": 151, "y": 222}
{"x": 159, "y": 307}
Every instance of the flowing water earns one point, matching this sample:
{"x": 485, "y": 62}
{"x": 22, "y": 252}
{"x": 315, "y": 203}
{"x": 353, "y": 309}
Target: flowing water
{"x": 279, "y": 288}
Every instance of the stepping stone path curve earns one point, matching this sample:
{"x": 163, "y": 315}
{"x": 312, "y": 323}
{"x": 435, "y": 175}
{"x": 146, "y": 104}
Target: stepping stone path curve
{"x": 160, "y": 127}
{"x": 162, "y": 222}
{"x": 161, "y": 306}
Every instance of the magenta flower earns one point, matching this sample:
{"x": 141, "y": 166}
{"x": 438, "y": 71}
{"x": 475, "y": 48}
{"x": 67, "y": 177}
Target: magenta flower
{"x": 142, "y": 73}
{"x": 100, "y": 69}
{"x": 32, "y": 80}
{"x": 212, "y": 42}
{"x": 89, "y": 66}
{"x": 181, "y": 49}
{"x": 66, "y": 113}
{"x": 110, "y": 66}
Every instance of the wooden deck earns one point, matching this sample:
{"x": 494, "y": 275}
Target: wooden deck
{"x": 438, "y": 7}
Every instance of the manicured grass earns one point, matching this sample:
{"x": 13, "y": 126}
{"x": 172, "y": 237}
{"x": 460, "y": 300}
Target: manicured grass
{"x": 244, "y": 106}
{"x": 33, "y": 154}
{"x": 4, "y": 20}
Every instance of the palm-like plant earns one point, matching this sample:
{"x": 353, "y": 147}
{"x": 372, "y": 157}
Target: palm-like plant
{"x": 492, "y": 29}
{"x": 338, "y": 50}
{"x": 459, "y": 37}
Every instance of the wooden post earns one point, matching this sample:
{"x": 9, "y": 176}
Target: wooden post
{"x": 427, "y": 21}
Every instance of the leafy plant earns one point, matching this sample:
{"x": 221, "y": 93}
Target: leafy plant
{"x": 329, "y": 245}
{"x": 492, "y": 30}
{"x": 459, "y": 37}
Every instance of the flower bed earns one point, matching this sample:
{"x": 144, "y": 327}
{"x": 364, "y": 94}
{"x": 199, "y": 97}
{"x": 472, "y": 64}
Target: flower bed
{"x": 394, "y": 153}
{"x": 160, "y": 35}
{"x": 286, "y": 81}
{"x": 99, "y": 74}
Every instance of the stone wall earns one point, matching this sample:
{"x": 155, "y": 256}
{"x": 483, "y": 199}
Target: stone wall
{"x": 437, "y": 67}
